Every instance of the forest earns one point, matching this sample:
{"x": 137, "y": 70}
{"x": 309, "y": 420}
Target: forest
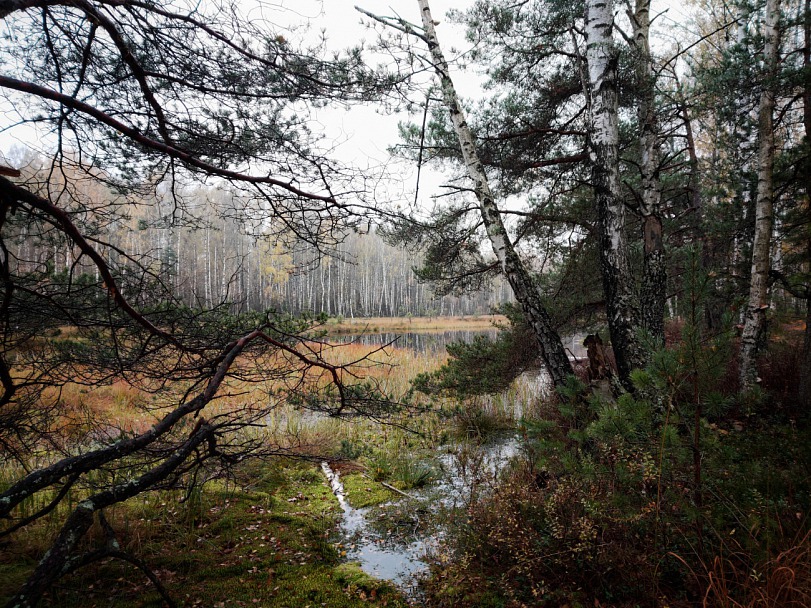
{"x": 553, "y": 350}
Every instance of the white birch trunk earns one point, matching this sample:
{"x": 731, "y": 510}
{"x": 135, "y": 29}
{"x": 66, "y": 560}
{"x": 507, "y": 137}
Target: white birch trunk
{"x": 551, "y": 347}
{"x": 755, "y": 316}
{"x": 601, "y": 57}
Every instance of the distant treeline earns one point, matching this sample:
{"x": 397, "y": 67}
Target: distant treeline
{"x": 209, "y": 253}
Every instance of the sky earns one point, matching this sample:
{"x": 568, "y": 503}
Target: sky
{"x": 360, "y": 136}
{"x": 365, "y": 133}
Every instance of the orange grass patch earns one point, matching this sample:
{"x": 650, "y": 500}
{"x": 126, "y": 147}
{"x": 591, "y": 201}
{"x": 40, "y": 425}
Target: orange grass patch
{"x": 256, "y": 383}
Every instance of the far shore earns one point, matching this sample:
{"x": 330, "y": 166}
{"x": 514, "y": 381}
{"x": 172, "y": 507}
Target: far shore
{"x": 412, "y": 324}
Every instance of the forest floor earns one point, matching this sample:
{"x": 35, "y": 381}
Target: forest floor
{"x": 267, "y": 537}
{"x": 598, "y": 506}
{"x": 270, "y": 543}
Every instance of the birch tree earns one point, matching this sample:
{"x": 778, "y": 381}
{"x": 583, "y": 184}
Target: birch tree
{"x": 525, "y": 291}
{"x": 618, "y": 283}
{"x": 536, "y": 136}
{"x": 758, "y": 301}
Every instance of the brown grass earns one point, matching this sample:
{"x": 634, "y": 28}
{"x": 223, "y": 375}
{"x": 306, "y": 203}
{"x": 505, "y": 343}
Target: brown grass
{"x": 80, "y": 414}
{"x": 781, "y": 582}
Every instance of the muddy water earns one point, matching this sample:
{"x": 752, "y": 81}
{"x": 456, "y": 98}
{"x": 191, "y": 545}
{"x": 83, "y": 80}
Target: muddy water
{"x": 369, "y": 537}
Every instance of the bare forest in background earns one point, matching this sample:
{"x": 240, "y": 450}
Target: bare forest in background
{"x": 207, "y": 255}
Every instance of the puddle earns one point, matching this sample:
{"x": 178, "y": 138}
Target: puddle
{"x": 471, "y": 469}
{"x": 390, "y": 541}
{"x": 400, "y": 563}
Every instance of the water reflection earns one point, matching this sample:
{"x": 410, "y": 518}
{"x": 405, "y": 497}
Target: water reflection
{"x": 436, "y": 341}
{"x": 466, "y": 470}
{"x": 428, "y": 342}
{"x": 401, "y": 563}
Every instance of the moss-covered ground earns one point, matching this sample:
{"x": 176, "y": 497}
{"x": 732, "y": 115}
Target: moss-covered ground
{"x": 272, "y": 545}
{"x": 361, "y": 491}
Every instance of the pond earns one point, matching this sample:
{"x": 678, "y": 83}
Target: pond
{"x": 421, "y": 342}
{"x": 393, "y": 541}
{"x": 436, "y": 341}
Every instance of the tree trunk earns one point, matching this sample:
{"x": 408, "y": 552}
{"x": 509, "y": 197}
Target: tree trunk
{"x": 804, "y": 392}
{"x": 601, "y": 57}
{"x": 654, "y": 272}
{"x": 526, "y": 293}
{"x": 755, "y": 317}
{"x": 805, "y": 377}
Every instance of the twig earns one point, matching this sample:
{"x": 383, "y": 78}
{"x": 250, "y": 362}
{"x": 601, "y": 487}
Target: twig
{"x": 393, "y": 489}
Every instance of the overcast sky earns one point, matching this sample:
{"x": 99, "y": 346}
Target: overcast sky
{"x": 365, "y": 133}
{"x": 361, "y": 136}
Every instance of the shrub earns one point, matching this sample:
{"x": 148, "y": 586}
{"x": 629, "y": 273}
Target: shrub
{"x": 663, "y": 496}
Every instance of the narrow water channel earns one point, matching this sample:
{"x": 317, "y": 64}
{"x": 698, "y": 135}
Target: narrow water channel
{"x": 467, "y": 470}
{"x": 398, "y": 562}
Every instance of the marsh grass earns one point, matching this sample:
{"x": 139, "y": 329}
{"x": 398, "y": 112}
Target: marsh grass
{"x": 481, "y": 417}
{"x": 403, "y": 470}
{"x": 262, "y": 538}
{"x": 266, "y": 536}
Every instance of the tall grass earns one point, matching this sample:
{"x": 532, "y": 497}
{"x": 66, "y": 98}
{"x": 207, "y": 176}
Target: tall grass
{"x": 734, "y": 580}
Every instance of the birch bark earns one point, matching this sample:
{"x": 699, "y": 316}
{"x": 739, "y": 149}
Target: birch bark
{"x": 526, "y": 293}
{"x": 601, "y": 59}
{"x": 805, "y": 378}
{"x": 755, "y": 316}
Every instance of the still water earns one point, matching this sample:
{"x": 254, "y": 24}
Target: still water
{"x": 436, "y": 341}
{"x": 427, "y": 342}
{"x": 392, "y": 541}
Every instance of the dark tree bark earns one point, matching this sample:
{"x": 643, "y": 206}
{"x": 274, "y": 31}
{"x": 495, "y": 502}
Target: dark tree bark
{"x": 805, "y": 370}
{"x": 654, "y": 273}
{"x": 58, "y": 560}
{"x": 618, "y": 284}
{"x": 805, "y": 375}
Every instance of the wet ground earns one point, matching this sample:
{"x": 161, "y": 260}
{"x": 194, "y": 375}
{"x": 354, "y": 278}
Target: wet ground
{"x": 392, "y": 541}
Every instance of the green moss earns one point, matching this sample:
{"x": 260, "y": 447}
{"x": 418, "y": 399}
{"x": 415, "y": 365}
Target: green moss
{"x": 272, "y": 546}
{"x": 363, "y": 492}
{"x": 351, "y": 575}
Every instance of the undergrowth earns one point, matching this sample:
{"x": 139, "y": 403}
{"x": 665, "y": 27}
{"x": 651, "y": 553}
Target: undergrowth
{"x": 679, "y": 494}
